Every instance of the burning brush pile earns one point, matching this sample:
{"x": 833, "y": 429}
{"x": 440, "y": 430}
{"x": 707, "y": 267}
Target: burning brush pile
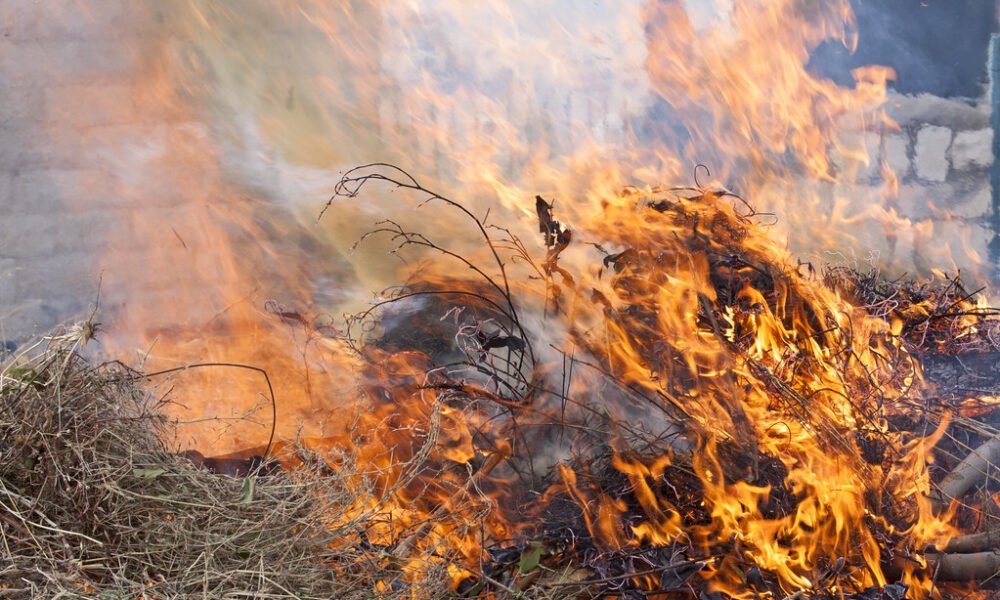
{"x": 664, "y": 403}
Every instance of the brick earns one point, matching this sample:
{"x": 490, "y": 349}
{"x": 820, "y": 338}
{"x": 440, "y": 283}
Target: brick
{"x": 87, "y": 105}
{"x": 283, "y": 51}
{"x": 91, "y": 61}
{"x": 7, "y": 272}
{"x": 63, "y": 233}
{"x": 25, "y": 236}
{"x": 21, "y": 20}
{"x": 42, "y": 191}
{"x": 20, "y": 320}
{"x": 972, "y": 204}
{"x": 85, "y": 231}
{"x": 972, "y": 149}
{"x": 924, "y": 109}
{"x": 118, "y": 149}
{"x": 5, "y": 191}
{"x": 931, "y": 153}
{"x": 20, "y": 105}
{"x": 39, "y": 276}
{"x": 959, "y": 244}
{"x": 857, "y": 155}
{"x": 56, "y": 294}
{"x": 27, "y": 146}
{"x": 900, "y": 255}
{"x": 919, "y": 202}
{"x": 896, "y": 154}
{"x": 61, "y": 190}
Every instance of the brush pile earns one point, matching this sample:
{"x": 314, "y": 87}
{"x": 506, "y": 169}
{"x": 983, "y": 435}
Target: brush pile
{"x": 664, "y": 405}
{"x": 713, "y": 416}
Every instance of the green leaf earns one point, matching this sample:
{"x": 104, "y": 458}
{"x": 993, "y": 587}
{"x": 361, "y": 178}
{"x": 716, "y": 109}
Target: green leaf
{"x": 151, "y": 473}
{"x": 25, "y": 375}
{"x": 246, "y": 494}
{"x": 474, "y": 591}
{"x": 530, "y": 557}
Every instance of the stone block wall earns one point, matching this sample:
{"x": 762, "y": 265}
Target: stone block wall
{"x": 941, "y": 154}
{"x": 944, "y": 146}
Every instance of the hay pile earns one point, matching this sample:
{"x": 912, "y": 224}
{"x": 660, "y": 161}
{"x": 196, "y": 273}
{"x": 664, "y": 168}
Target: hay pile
{"x": 93, "y": 505}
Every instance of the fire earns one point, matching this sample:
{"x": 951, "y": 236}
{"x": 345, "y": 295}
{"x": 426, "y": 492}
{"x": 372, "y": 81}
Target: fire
{"x": 789, "y": 374}
{"x": 677, "y": 323}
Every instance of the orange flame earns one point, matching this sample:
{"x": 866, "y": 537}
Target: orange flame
{"x": 250, "y": 108}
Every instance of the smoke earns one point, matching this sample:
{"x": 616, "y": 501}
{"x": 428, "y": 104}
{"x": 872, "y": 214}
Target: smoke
{"x": 429, "y": 83}
{"x": 250, "y": 110}
{"x": 934, "y": 46}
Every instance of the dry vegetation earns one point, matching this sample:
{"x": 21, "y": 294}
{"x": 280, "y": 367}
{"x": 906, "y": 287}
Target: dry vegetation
{"x": 93, "y": 505}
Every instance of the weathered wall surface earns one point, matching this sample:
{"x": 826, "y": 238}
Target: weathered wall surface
{"x": 60, "y": 72}
{"x": 107, "y": 149}
{"x": 941, "y": 155}
{"x": 78, "y": 132}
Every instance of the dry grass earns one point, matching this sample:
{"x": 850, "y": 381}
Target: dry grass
{"x": 93, "y": 505}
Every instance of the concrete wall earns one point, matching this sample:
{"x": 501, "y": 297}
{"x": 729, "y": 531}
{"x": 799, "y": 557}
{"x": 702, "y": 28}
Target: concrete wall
{"x": 60, "y": 72}
{"x": 109, "y": 148}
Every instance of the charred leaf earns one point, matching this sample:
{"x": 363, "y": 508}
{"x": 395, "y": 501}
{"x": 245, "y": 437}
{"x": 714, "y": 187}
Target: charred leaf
{"x": 511, "y": 342}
